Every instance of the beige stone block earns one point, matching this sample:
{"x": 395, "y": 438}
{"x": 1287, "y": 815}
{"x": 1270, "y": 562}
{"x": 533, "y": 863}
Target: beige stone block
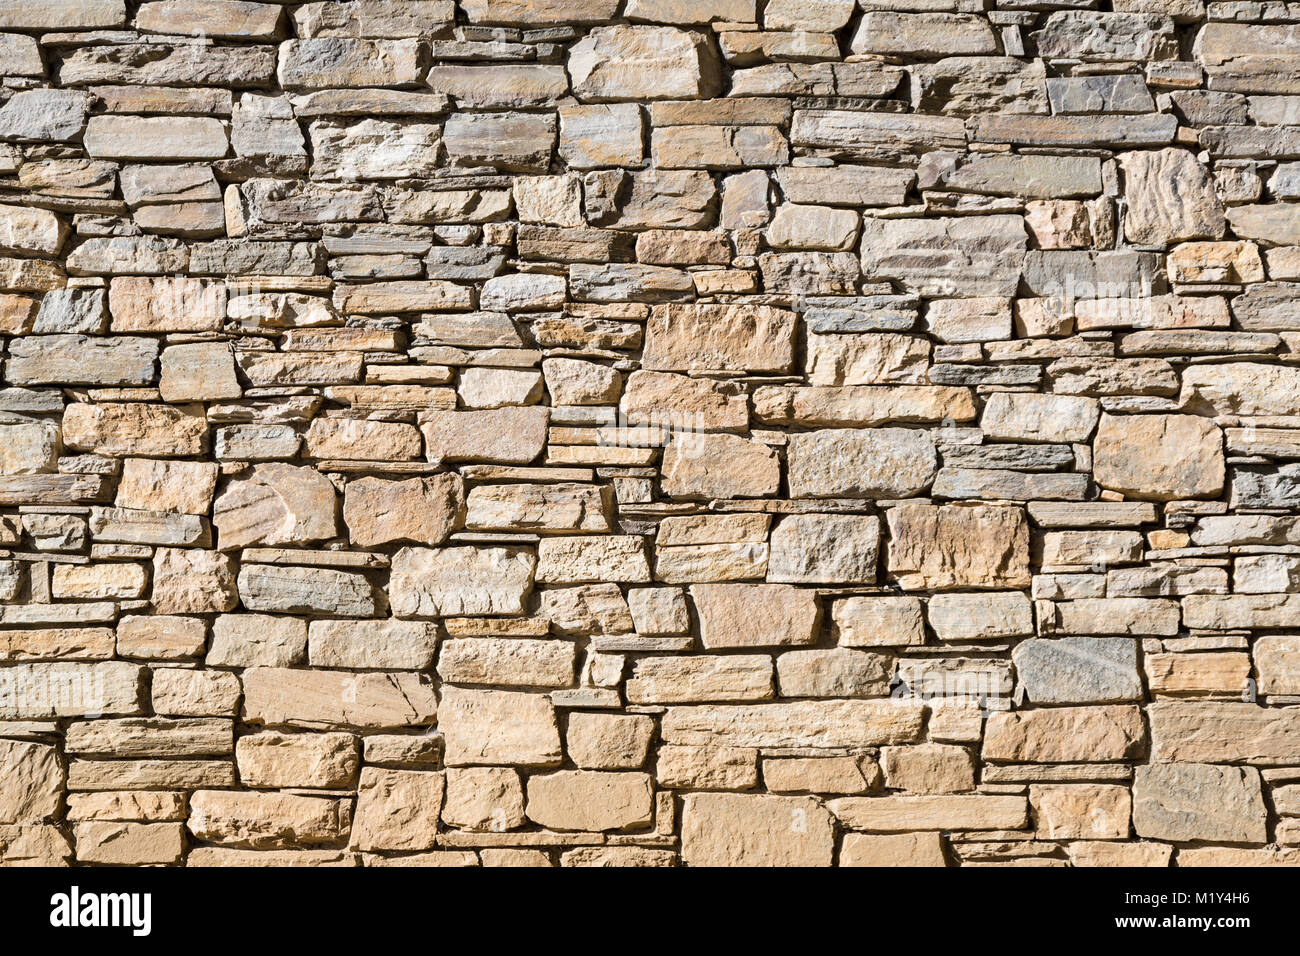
{"x": 129, "y": 844}
{"x": 420, "y": 510}
{"x": 696, "y": 678}
{"x": 34, "y": 780}
{"x": 752, "y": 615}
{"x": 309, "y": 761}
{"x": 828, "y": 775}
{"x": 609, "y": 741}
{"x": 1081, "y": 811}
{"x": 946, "y": 546}
{"x": 870, "y": 621}
{"x": 941, "y": 812}
{"x": 498, "y": 727}
{"x": 820, "y": 723}
{"x": 892, "y": 849}
{"x": 707, "y": 768}
{"x": 928, "y": 768}
{"x": 1182, "y": 802}
{"x": 590, "y": 800}
{"x": 487, "y": 799}
{"x": 156, "y": 485}
{"x": 508, "y": 662}
{"x": 732, "y": 829}
{"x": 266, "y": 820}
{"x": 1159, "y": 457}
{"x": 1066, "y": 734}
{"x": 397, "y": 809}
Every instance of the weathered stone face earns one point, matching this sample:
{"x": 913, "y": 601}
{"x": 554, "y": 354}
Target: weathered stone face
{"x": 1170, "y": 198}
{"x": 982, "y": 546}
{"x": 590, "y": 800}
{"x": 719, "y": 466}
{"x": 397, "y": 810}
{"x": 460, "y": 581}
{"x": 422, "y": 510}
{"x": 1189, "y": 801}
{"x": 297, "y": 760}
{"x": 642, "y": 62}
{"x": 874, "y": 463}
{"x": 1159, "y": 457}
{"x": 496, "y": 727}
{"x": 786, "y": 615}
{"x": 582, "y": 432}
{"x": 1066, "y": 735}
{"x": 813, "y": 549}
{"x": 275, "y": 504}
{"x": 1079, "y": 670}
{"x": 704, "y": 337}
{"x": 34, "y": 782}
{"x": 976, "y": 256}
{"x": 754, "y": 830}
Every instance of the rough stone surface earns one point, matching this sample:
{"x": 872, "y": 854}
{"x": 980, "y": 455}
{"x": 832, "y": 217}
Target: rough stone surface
{"x": 1190, "y": 801}
{"x": 732, "y": 829}
{"x": 938, "y": 547}
{"x": 580, "y": 432}
{"x": 1159, "y": 456}
{"x": 1170, "y": 197}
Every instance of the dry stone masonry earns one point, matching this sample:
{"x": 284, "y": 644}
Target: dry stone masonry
{"x": 650, "y": 432}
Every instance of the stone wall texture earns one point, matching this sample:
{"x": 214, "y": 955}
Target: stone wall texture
{"x": 650, "y": 432}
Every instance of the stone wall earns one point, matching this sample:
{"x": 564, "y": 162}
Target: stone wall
{"x": 644, "y": 432}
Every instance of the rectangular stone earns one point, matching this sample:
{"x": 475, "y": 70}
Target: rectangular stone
{"x": 29, "y": 691}
{"x": 941, "y": 812}
{"x": 819, "y": 724}
{"x": 322, "y": 699}
{"x": 1222, "y": 732}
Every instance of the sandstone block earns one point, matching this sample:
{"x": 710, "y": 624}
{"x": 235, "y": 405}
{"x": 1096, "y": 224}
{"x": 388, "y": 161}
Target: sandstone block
{"x": 892, "y": 849}
{"x": 1180, "y": 456}
{"x": 646, "y": 62}
{"x": 824, "y": 549}
{"x": 487, "y": 799}
{"x": 874, "y": 463}
{"x": 498, "y": 727}
{"x": 725, "y": 829}
{"x": 34, "y": 781}
{"x": 590, "y": 800}
{"x": 397, "y": 809}
{"x": 453, "y": 581}
{"x": 946, "y": 546}
{"x": 258, "y": 820}
{"x": 336, "y": 699}
{"x": 310, "y": 761}
{"x": 727, "y": 613}
{"x": 419, "y": 510}
{"x": 1189, "y": 801}
{"x": 1065, "y": 734}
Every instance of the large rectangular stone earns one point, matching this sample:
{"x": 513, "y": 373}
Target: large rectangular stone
{"x": 682, "y": 338}
{"x": 870, "y": 135}
{"x": 1250, "y": 57}
{"x": 81, "y": 360}
{"x": 817, "y": 724}
{"x": 156, "y": 137}
{"x": 44, "y": 690}
{"x": 1066, "y": 735}
{"x": 1224, "y": 732}
{"x": 980, "y": 546}
{"x": 322, "y": 699}
{"x": 939, "y": 812}
{"x": 968, "y": 255}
